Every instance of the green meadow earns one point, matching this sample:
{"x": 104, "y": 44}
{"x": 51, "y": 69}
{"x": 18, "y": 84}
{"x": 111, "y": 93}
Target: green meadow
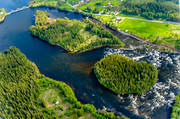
{"x": 158, "y": 33}
{"x": 99, "y": 5}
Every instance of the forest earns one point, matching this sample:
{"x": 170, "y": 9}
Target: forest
{"x": 72, "y": 35}
{"x": 176, "y": 108}
{"x": 125, "y": 76}
{"x": 152, "y": 9}
{"x": 25, "y": 93}
{"x": 148, "y": 9}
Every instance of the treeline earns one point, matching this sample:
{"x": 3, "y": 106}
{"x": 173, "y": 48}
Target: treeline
{"x": 74, "y": 35}
{"x": 149, "y": 9}
{"x": 21, "y": 86}
{"x": 176, "y": 108}
{"x": 59, "y": 4}
{"x": 75, "y": 108}
{"x": 123, "y": 75}
{"x": 18, "y": 91}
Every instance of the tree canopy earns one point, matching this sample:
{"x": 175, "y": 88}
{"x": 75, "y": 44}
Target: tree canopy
{"x": 123, "y": 75}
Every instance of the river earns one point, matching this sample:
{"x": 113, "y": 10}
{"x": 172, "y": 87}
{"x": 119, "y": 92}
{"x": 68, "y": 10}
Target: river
{"x": 54, "y": 62}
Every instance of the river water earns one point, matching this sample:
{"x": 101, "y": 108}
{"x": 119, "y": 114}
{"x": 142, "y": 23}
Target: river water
{"x": 74, "y": 69}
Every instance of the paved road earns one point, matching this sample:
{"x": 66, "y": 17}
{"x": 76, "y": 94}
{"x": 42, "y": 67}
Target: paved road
{"x": 169, "y": 22}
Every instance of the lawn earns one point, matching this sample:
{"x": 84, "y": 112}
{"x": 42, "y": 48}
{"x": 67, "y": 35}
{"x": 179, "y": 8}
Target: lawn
{"x": 99, "y": 5}
{"x": 157, "y": 33}
{"x": 59, "y": 4}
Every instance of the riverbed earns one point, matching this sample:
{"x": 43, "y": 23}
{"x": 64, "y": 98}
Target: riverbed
{"x": 74, "y": 69}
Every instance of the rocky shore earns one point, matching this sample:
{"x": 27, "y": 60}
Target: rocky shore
{"x": 162, "y": 95}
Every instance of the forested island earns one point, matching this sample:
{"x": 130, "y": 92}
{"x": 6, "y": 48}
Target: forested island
{"x": 176, "y": 108}
{"x": 72, "y": 35}
{"x": 124, "y": 76}
{"x": 26, "y": 93}
{"x": 2, "y": 14}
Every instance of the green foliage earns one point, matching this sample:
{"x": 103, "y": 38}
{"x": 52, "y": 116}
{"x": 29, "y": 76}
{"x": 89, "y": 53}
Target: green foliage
{"x": 75, "y": 35}
{"x": 98, "y": 6}
{"x": 176, "y": 108}
{"x": 59, "y": 4}
{"x": 18, "y": 91}
{"x": 41, "y": 18}
{"x": 2, "y": 14}
{"x": 26, "y": 94}
{"x": 157, "y": 33}
{"x": 123, "y": 75}
{"x": 151, "y": 9}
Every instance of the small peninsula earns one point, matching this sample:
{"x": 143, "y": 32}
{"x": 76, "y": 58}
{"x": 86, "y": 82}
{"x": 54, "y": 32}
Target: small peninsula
{"x": 124, "y": 76}
{"x": 2, "y": 14}
{"x": 26, "y": 93}
{"x": 72, "y": 35}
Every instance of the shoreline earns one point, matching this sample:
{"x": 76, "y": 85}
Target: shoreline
{"x": 2, "y": 20}
{"x": 139, "y": 38}
{"x": 115, "y": 29}
{"x": 78, "y": 52}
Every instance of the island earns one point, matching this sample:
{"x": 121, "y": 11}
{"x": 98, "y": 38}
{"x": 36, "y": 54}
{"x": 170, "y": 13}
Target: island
{"x": 2, "y": 14}
{"x": 26, "y": 93}
{"x": 176, "y": 108}
{"x": 72, "y": 35}
{"x": 123, "y": 75}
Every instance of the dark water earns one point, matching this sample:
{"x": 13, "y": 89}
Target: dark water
{"x": 12, "y": 4}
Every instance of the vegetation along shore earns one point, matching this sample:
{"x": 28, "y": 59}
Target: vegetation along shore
{"x": 26, "y": 93}
{"x": 2, "y": 14}
{"x": 72, "y": 35}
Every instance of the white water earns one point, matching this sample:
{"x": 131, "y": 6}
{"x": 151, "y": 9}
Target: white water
{"x": 162, "y": 94}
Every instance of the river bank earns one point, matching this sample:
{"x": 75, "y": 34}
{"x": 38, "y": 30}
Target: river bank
{"x": 127, "y": 33}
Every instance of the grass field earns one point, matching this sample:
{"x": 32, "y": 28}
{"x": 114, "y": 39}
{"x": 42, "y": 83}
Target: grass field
{"x": 99, "y": 5}
{"x": 157, "y": 33}
{"x": 59, "y": 4}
